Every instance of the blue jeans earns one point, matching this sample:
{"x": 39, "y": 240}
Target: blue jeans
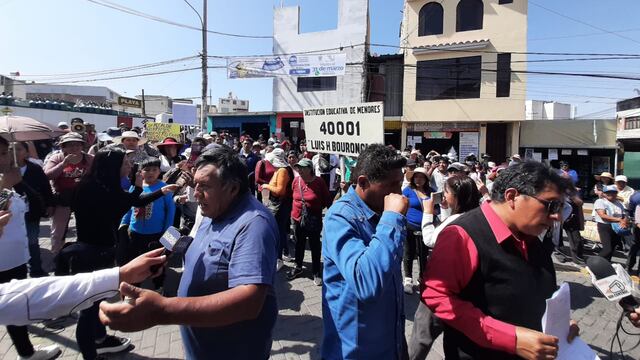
{"x": 33, "y": 234}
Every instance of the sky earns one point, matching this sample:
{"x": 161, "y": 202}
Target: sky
{"x": 42, "y": 38}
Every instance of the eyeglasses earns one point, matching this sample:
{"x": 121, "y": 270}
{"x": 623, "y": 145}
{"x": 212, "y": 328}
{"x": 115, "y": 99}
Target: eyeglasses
{"x": 552, "y": 207}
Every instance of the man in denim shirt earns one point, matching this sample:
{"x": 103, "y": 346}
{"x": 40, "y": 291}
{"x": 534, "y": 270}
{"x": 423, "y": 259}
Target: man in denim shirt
{"x": 362, "y": 297}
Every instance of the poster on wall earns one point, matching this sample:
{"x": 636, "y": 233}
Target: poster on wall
{"x": 537, "y": 156}
{"x": 553, "y": 154}
{"x": 469, "y": 144}
{"x": 528, "y": 154}
{"x": 600, "y": 164}
{"x": 567, "y": 152}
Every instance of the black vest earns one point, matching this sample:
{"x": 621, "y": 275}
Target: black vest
{"x": 505, "y": 286}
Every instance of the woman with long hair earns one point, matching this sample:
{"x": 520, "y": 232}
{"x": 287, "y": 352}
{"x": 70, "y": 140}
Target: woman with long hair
{"x": 99, "y": 203}
{"x": 460, "y": 195}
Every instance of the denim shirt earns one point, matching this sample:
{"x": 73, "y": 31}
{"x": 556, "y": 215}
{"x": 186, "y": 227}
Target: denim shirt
{"x": 362, "y": 297}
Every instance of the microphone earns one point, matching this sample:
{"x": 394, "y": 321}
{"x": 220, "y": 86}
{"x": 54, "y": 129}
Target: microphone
{"x": 174, "y": 244}
{"x": 613, "y": 282}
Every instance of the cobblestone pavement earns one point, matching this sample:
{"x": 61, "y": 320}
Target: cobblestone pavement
{"x": 298, "y": 331}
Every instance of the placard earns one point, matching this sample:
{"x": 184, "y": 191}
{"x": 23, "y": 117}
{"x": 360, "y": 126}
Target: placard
{"x": 345, "y": 129}
{"x": 157, "y": 132}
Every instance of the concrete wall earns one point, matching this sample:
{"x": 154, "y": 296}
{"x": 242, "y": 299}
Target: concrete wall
{"x": 505, "y": 26}
{"x": 547, "y": 110}
{"x": 353, "y": 29}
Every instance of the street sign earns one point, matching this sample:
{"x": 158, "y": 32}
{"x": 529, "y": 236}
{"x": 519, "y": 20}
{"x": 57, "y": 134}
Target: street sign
{"x": 344, "y": 130}
{"x": 129, "y": 102}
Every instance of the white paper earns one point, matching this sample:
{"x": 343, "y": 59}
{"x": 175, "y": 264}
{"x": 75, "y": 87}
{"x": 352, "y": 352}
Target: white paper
{"x": 537, "y": 156}
{"x": 555, "y": 321}
{"x": 553, "y": 154}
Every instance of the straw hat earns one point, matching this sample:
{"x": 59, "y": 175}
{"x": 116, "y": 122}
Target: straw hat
{"x": 604, "y": 175}
{"x": 129, "y": 134}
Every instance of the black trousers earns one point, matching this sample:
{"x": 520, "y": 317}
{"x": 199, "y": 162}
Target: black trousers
{"x": 302, "y": 236}
{"x": 18, "y": 334}
{"x": 142, "y": 243}
{"x": 635, "y": 249}
{"x": 576, "y": 243}
{"x": 414, "y": 248}
{"x": 609, "y": 240}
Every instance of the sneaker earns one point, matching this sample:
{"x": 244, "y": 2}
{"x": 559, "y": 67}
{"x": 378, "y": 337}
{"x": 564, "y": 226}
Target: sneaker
{"x": 288, "y": 258}
{"x": 279, "y": 265}
{"x": 408, "y": 286}
{"x": 112, "y": 344}
{"x": 317, "y": 280}
{"x": 294, "y": 273}
{"x": 43, "y": 353}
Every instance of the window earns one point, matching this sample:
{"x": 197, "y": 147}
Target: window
{"x": 469, "y": 15}
{"x": 327, "y": 83}
{"x": 503, "y": 77}
{"x": 449, "y": 78}
{"x": 632, "y": 123}
{"x": 430, "y": 19}
{"x": 502, "y": 2}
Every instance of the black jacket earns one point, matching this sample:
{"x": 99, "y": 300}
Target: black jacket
{"x": 37, "y": 188}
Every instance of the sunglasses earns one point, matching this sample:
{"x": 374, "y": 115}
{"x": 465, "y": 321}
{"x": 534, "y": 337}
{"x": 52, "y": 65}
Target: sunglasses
{"x": 552, "y": 207}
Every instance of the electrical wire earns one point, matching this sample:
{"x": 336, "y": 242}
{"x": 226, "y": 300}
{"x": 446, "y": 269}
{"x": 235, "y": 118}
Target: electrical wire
{"x": 130, "y": 11}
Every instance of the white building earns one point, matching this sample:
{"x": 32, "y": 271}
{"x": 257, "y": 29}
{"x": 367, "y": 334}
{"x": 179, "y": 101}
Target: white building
{"x": 547, "y": 110}
{"x": 350, "y": 36}
{"x": 71, "y": 93}
{"x": 232, "y": 104}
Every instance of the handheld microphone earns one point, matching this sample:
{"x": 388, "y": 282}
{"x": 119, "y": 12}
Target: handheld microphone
{"x": 173, "y": 243}
{"x": 613, "y": 282}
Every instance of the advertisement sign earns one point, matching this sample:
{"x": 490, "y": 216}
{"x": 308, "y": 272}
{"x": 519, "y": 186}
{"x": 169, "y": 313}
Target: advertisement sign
{"x": 344, "y": 130}
{"x": 311, "y": 65}
{"x": 157, "y": 132}
{"x": 186, "y": 114}
{"x": 129, "y": 102}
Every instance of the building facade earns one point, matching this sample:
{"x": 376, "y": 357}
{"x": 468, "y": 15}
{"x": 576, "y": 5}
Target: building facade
{"x": 350, "y": 37}
{"x": 232, "y": 104}
{"x": 464, "y": 80}
{"x": 547, "y": 110}
{"x": 628, "y": 121}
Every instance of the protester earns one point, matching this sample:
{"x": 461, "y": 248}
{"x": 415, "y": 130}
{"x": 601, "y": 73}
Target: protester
{"x": 15, "y": 254}
{"x": 363, "y": 302}
{"x": 35, "y": 186}
{"x": 226, "y": 305}
{"x": 634, "y": 213}
{"x": 325, "y": 166}
{"x": 438, "y": 173}
{"x": 624, "y": 191}
{"x": 603, "y": 179}
{"x": 417, "y": 192}
{"x": 607, "y": 211}
{"x": 280, "y": 200}
{"x": 568, "y": 172}
{"x": 310, "y": 196}
{"x": 170, "y": 156}
{"x": 131, "y": 141}
{"x": 264, "y": 171}
{"x": 65, "y": 169}
{"x": 99, "y": 204}
{"x": 573, "y": 225}
{"x": 147, "y": 224}
{"x": 489, "y": 276}
{"x": 408, "y": 173}
{"x": 32, "y": 300}
{"x": 460, "y": 195}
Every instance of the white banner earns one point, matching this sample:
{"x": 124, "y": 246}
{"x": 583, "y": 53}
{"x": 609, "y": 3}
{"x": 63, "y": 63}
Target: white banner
{"x": 287, "y": 65}
{"x": 344, "y": 130}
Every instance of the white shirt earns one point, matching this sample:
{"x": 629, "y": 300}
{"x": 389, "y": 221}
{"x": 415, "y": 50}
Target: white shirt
{"x": 437, "y": 180}
{"x": 13, "y": 241}
{"x": 611, "y": 209}
{"x": 32, "y": 300}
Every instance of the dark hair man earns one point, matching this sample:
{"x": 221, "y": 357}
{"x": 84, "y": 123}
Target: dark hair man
{"x": 489, "y": 274}
{"x": 363, "y": 300}
{"x": 226, "y": 303}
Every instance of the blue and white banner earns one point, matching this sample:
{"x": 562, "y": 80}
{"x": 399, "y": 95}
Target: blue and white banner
{"x": 308, "y": 65}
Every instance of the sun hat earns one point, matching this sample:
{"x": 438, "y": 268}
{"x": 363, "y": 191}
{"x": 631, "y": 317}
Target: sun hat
{"x": 605, "y": 174}
{"x": 621, "y": 178}
{"x": 609, "y": 188}
{"x": 169, "y": 142}
{"x": 420, "y": 170}
{"x": 129, "y": 134}
{"x": 71, "y": 137}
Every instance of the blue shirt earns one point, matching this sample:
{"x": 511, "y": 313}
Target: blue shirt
{"x": 362, "y": 297}
{"x": 414, "y": 214}
{"x": 634, "y": 201}
{"x": 236, "y": 249}
{"x": 155, "y": 217}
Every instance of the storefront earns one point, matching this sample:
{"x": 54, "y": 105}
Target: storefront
{"x": 459, "y": 138}
{"x": 254, "y": 124}
{"x": 589, "y": 146}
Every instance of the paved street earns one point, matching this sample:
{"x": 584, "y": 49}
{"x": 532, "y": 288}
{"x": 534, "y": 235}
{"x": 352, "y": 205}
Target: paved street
{"x": 298, "y": 331}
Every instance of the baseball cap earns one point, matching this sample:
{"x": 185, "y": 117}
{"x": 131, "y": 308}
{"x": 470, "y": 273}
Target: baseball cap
{"x": 304, "y": 163}
{"x": 621, "y": 178}
{"x": 609, "y": 188}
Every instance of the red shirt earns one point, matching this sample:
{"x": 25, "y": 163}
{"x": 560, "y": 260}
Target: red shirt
{"x": 316, "y": 197}
{"x": 452, "y": 264}
{"x": 264, "y": 172}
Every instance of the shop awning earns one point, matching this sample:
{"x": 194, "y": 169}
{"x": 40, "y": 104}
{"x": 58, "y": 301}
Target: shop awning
{"x": 600, "y": 133}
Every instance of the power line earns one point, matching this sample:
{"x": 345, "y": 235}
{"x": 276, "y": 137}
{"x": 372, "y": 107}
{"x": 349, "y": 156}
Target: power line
{"x": 584, "y": 23}
{"x": 130, "y": 11}
{"x": 584, "y": 35}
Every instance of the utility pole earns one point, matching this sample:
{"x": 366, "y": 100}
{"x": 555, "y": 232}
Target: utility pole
{"x": 144, "y": 113}
{"x": 203, "y": 113}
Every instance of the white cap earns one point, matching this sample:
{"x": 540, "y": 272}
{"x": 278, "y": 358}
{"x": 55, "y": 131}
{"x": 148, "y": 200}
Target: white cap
{"x": 621, "y": 178}
{"x": 63, "y": 123}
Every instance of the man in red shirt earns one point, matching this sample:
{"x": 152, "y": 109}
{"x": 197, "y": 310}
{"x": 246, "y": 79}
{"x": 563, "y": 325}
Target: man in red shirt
{"x": 65, "y": 169}
{"x": 489, "y": 274}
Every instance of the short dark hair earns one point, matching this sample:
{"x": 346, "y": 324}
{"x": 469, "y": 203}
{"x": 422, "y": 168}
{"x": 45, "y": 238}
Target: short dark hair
{"x": 466, "y": 192}
{"x": 231, "y": 169}
{"x": 150, "y": 162}
{"x": 376, "y": 162}
{"x": 529, "y": 178}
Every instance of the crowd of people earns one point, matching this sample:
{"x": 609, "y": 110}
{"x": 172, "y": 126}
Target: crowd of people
{"x": 482, "y": 234}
